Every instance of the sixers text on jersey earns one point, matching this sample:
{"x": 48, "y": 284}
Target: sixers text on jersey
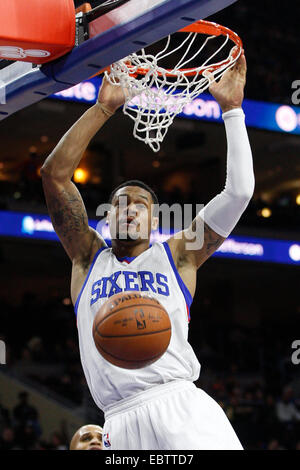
{"x": 144, "y": 281}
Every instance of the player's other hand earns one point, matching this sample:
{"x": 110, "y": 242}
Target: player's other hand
{"x": 229, "y": 91}
{"x": 112, "y": 96}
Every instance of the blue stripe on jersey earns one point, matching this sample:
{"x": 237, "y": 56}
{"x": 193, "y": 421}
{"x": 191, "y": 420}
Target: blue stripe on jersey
{"x": 87, "y": 277}
{"x": 128, "y": 259}
{"x": 187, "y": 295}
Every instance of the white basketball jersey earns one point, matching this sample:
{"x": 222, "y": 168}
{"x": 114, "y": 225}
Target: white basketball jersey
{"x": 153, "y": 271}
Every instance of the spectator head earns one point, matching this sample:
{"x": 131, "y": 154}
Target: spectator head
{"x": 35, "y": 344}
{"x": 270, "y": 401}
{"x": 237, "y": 392}
{"x": 233, "y": 400}
{"x": 259, "y": 394}
{"x": 274, "y": 445}
{"x": 248, "y": 395}
{"x": 88, "y": 437}
{"x": 8, "y": 435}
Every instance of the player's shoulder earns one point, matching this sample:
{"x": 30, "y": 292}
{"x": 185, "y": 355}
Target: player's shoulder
{"x": 157, "y": 246}
{"x": 162, "y": 245}
{"x": 161, "y": 250}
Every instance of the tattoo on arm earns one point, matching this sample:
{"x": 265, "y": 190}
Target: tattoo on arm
{"x": 68, "y": 214}
{"x": 212, "y": 241}
{"x": 70, "y": 220}
{"x": 185, "y": 256}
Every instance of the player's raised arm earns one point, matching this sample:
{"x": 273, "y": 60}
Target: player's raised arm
{"x": 65, "y": 205}
{"x": 218, "y": 218}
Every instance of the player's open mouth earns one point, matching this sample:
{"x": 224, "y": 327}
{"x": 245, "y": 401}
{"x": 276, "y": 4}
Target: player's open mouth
{"x": 95, "y": 448}
{"x": 129, "y": 221}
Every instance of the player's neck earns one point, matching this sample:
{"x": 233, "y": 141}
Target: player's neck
{"x": 130, "y": 249}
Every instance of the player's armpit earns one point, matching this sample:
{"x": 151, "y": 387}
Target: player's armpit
{"x": 195, "y": 244}
{"x": 70, "y": 220}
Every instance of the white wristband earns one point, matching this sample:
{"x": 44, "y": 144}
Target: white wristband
{"x": 233, "y": 113}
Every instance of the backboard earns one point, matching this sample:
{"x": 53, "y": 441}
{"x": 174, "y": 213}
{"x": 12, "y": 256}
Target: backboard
{"x": 126, "y": 29}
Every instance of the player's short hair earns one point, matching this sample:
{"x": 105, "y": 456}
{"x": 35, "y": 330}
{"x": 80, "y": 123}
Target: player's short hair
{"x": 135, "y": 183}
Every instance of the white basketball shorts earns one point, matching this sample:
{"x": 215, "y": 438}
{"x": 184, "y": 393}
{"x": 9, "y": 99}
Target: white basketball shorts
{"x": 173, "y": 416}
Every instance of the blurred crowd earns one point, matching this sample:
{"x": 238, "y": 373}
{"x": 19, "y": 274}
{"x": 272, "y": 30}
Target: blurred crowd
{"x": 20, "y": 429}
{"x": 249, "y": 373}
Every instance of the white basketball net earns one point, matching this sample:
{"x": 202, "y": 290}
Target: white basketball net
{"x": 154, "y": 99}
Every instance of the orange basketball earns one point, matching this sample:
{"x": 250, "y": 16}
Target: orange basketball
{"x": 132, "y": 330}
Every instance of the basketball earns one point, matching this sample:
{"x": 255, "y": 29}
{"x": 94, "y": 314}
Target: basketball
{"x": 132, "y": 330}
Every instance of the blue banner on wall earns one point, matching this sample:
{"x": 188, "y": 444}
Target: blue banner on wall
{"x": 39, "y": 227}
{"x": 261, "y": 115}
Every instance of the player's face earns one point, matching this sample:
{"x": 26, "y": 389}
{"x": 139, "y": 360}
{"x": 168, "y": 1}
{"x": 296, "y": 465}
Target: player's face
{"x": 131, "y": 217}
{"x": 88, "y": 438}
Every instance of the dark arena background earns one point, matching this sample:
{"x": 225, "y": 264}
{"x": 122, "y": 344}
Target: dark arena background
{"x": 245, "y": 315}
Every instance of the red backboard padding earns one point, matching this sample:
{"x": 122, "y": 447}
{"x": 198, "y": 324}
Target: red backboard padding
{"x": 36, "y": 31}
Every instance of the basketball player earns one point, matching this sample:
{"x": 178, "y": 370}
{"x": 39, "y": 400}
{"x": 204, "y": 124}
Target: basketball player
{"x": 156, "y": 407}
{"x": 88, "y": 437}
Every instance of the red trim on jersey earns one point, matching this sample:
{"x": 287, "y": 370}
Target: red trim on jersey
{"x": 127, "y": 259}
{"x": 188, "y": 313}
